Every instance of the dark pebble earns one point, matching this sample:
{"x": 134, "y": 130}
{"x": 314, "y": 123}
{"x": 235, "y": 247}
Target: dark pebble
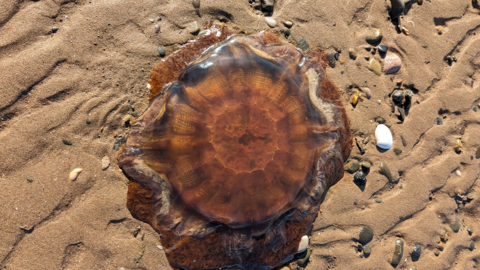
{"x": 397, "y": 151}
{"x": 378, "y": 200}
{"x": 439, "y": 120}
{"x": 88, "y": 121}
{"x": 455, "y": 226}
{"x": 472, "y": 246}
{"x": 366, "y": 235}
{"x": 398, "y": 252}
{"x": 398, "y": 96}
{"x": 67, "y": 142}
{"x": 477, "y": 153}
{"x": 161, "y": 51}
{"x": 436, "y": 252}
{"x": 303, "y": 44}
{"x": 331, "y": 59}
{"x": 404, "y": 142}
{"x": 29, "y": 180}
{"x": 360, "y": 177}
{"x": 469, "y": 230}
{"x": 382, "y": 49}
{"x": 417, "y": 251}
{"x": 397, "y": 8}
{"x": 353, "y": 166}
{"x": 366, "y": 251}
{"x": 119, "y": 141}
{"x": 402, "y": 113}
{"x": 54, "y": 29}
{"x": 337, "y": 56}
{"x": 287, "y": 33}
{"x": 380, "y": 120}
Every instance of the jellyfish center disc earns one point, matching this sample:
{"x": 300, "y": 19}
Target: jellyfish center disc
{"x": 245, "y": 138}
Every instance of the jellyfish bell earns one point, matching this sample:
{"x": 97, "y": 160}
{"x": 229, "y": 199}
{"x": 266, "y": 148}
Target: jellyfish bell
{"x": 229, "y": 162}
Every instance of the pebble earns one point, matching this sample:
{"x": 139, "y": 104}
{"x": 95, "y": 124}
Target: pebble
{"x": 368, "y": 92}
{"x": 469, "y": 230}
{"x": 458, "y": 172}
{"x": 382, "y": 49}
{"x": 398, "y": 252}
{"x": 439, "y": 120}
{"x": 404, "y": 142}
{"x": 398, "y": 96}
{"x": 366, "y": 165}
{"x": 331, "y": 59}
{"x": 302, "y": 246}
{"x": 397, "y": 8}
{"x": 366, "y": 251}
{"x": 105, "y": 163}
{"x": 477, "y": 153}
{"x": 378, "y": 200}
{"x": 303, "y": 44}
{"x": 392, "y": 63}
{"x": 383, "y": 169}
{"x": 360, "y": 177}
{"x": 72, "y": 176}
{"x": 67, "y": 142}
{"x": 373, "y": 36}
{"x": 402, "y": 113}
{"x": 455, "y": 226}
{"x": 288, "y": 23}
{"x": 397, "y": 151}
{"x": 193, "y": 27}
{"x": 375, "y": 66}
{"x": 303, "y": 260}
{"x": 439, "y": 29}
{"x": 337, "y": 56}
{"x": 157, "y": 29}
{"x": 54, "y": 29}
{"x": 271, "y": 22}
{"x": 151, "y": 20}
{"x": 383, "y": 136}
{"x": 380, "y": 120}
{"x": 417, "y": 251}
{"x": 161, "y": 51}
{"x": 88, "y": 121}
{"x": 353, "y": 166}
{"x": 472, "y": 246}
{"x": 365, "y": 236}
{"x": 436, "y": 252}
{"x": 352, "y": 53}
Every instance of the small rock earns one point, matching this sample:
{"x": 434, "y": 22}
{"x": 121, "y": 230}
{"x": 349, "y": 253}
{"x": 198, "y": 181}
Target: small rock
{"x": 368, "y": 92}
{"x": 287, "y": 33}
{"x": 88, "y": 121}
{"x": 402, "y": 113}
{"x": 472, "y": 246}
{"x": 380, "y": 120}
{"x": 151, "y": 20}
{"x": 397, "y": 8}
{"x": 352, "y": 53}
{"x": 392, "y": 63}
{"x": 54, "y": 29}
{"x": 397, "y": 151}
{"x": 29, "y": 180}
{"x": 375, "y": 66}
{"x": 331, "y": 59}
{"x": 398, "y": 252}
{"x": 439, "y": 29}
{"x": 398, "y": 96}
{"x": 366, "y": 251}
{"x": 455, "y": 226}
{"x": 360, "y": 177}
{"x": 469, "y": 230}
{"x": 161, "y": 51}
{"x": 270, "y": 21}
{"x": 337, "y": 56}
{"x": 105, "y": 163}
{"x": 67, "y": 142}
{"x": 383, "y": 169}
{"x": 436, "y": 252}
{"x": 366, "y": 235}
{"x": 366, "y": 165}
{"x": 477, "y": 153}
{"x": 302, "y": 246}
{"x": 378, "y": 200}
{"x": 439, "y": 120}
{"x": 193, "y": 27}
{"x": 417, "y": 251}
{"x": 157, "y": 28}
{"x": 288, "y": 23}
{"x": 72, "y": 176}
{"x": 374, "y": 36}
{"x": 383, "y": 136}
{"x": 303, "y": 44}
{"x": 382, "y": 49}
{"x": 353, "y": 166}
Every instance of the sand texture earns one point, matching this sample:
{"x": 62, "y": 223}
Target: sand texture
{"x": 72, "y": 73}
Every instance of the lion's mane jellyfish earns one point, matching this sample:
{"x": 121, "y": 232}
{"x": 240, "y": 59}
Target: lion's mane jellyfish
{"x": 231, "y": 159}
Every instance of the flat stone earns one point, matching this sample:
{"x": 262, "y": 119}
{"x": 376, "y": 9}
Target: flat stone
{"x": 365, "y": 236}
{"x": 105, "y": 163}
{"x": 397, "y": 151}
{"x": 193, "y": 27}
{"x": 392, "y": 63}
{"x": 472, "y": 246}
{"x": 455, "y": 226}
{"x": 288, "y": 23}
{"x": 366, "y": 165}
{"x": 302, "y": 246}
{"x": 373, "y": 36}
{"x": 383, "y": 137}
{"x": 271, "y": 22}
{"x": 375, "y": 66}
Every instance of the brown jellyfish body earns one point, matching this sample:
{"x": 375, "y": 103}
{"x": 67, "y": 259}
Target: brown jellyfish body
{"x": 231, "y": 159}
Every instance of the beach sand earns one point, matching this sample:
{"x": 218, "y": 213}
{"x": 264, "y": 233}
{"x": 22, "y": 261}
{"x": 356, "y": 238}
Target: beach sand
{"x": 72, "y": 73}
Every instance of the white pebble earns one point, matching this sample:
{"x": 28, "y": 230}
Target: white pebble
{"x": 458, "y": 172}
{"x": 74, "y": 174}
{"x": 270, "y": 21}
{"x": 149, "y": 86}
{"x": 160, "y": 247}
{"x": 303, "y": 244}
{"x": 383, "y": 136}
{"x": 105, "y": 163}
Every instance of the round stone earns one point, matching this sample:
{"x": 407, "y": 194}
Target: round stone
{"x": 366, "y": 235}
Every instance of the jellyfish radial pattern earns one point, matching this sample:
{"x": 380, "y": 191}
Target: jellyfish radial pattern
{"x": 231, "y": 159}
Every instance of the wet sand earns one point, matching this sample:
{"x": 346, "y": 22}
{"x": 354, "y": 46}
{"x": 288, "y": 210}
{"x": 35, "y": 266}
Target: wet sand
{"x": 73, "y": 72}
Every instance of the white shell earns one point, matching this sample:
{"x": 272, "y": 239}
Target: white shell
{"x": 383, "y": 136}
{"x": 74, "y": 174}
{"x": 149, "y": 86}
{"x": 270, "y": 21}
{"x": 303, "y": 244}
